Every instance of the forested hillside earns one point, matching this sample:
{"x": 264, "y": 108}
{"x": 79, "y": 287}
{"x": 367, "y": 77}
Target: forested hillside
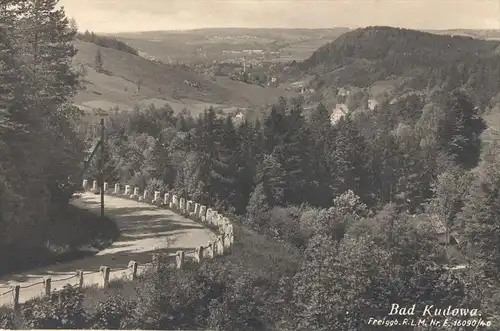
{"x": 363, "y": 204}
{"x": 40, "y": 152}
{"x": 364, "y": 56}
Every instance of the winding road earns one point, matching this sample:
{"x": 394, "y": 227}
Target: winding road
{"x": 145, "y": 229}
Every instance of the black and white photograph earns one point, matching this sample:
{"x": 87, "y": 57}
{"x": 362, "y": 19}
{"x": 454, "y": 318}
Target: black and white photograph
{"x": 250, "y": 165}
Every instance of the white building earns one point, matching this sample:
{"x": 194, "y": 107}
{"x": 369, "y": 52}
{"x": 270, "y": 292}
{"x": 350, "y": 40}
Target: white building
{"x": 373, "y": 104}
{"x": 338, "y": 112}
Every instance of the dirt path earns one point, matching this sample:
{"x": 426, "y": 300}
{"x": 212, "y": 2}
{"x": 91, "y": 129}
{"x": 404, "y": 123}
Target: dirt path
{"x": 144, "y": 229}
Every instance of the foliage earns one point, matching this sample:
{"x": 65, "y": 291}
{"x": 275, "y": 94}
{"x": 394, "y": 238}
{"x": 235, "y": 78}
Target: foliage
{"x": 111, "y": 313}
{"x": 63, "y": 310}
{"x": 479, "y": 218}
{"x": 41, "y": 152}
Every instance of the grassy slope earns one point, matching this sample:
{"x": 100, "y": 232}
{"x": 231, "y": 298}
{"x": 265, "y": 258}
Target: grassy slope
{"x": 118, "y": 85}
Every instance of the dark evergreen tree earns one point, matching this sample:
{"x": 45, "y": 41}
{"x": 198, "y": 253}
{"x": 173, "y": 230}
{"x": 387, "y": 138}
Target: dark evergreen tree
{"x": 226, "y": 167}
{"x": 275, "y": 127}
{"x": 349, "y": 157}
{"x": 460, "y": 130}
{"x": 293, "y": 153}
{"x": 320, "y": 173}
{"x": 249, "y": 154}
{"x": 98, "y": 62}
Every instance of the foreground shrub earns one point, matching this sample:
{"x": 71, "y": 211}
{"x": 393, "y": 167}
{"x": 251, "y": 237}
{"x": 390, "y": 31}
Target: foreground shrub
{"x": 62, "y": 310}
{"x": 112, "y": 313}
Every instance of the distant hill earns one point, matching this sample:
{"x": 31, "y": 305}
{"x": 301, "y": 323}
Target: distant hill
{"x": 412, "y": 59}
{"x": 159, "y": 83}
{"x": 474, "y": 33}
{"x": 208, "y": 44}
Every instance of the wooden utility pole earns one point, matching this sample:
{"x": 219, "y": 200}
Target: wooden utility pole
{"x": 102, "y": 167}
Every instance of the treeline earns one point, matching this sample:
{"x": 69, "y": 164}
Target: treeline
{"x": 364, "y": 204}
{"x": 107, "y": 42}
{"x": 40, "y": 153}
{"x": 288, "y": 159}
{"x": 373, "y": 54}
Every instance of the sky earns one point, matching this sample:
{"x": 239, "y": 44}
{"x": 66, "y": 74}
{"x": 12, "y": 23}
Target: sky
{"x": 111, "y": 16}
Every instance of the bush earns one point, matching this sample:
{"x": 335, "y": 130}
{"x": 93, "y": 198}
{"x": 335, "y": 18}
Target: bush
{"x": 156, "y": 185}
{"x": 62, "y": 310}
{"x": 111, "y": 313}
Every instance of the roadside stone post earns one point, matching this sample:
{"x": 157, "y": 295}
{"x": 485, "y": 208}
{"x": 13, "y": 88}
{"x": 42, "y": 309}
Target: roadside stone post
{"x": 199, "y": 254}
{"x": 203, "y": 213}
{"x": 215, "y": 247}
{"x": 117, "y": 188}
{"x": 127, "y": 190}
{"x": 156, "y": 198}
{"x": 133, "y": 269}
{"x": 175, "y": 202}
{"x": 166, "y": 199}
{"x": 211, "y": 250}
{"x": 182, "y": 205}
{"x": 227, "y": 240}
{"x": 106, "y": 186}
{"x": 189, "y": 208}
{"x": 79, "y": 274}
{"x": 197, "y": 210}
{"x": 231, "y": 235}
{"x": 105, "y": 271}
{"x": 156, "y": 262}
{"x": 220, "y": 249}
{"x": 144, "y": 196}
{"x": 136, "y": 192}
{"x": 85, "y": 184}
{"x": 17, "y": 289}
{"x": 47, "y": 283}
{"x": 179, "y": 259}
{"x": 94, "y": 185}
{"x": 208, "y": 216}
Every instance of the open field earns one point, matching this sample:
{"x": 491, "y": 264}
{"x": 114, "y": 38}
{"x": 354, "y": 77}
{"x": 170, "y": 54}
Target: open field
{"x": 159, "y": 84}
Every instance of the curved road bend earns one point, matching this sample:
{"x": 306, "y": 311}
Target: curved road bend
{"x": 144, "y": 229}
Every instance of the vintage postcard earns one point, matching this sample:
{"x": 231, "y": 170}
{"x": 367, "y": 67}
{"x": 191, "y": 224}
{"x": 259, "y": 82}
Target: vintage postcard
{"x": 274, "y": 165}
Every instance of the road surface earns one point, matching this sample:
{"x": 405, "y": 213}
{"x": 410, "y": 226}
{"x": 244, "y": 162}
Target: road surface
{"x": 144, "y": 229}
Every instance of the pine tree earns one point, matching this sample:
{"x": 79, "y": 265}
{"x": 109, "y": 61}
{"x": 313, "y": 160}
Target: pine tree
{"x": 349, "y": 157}
{"x": 480, "y": 217}
{"x": 206, "y": 138}
{"x": 460, "y": 130}
{"x": 36, "y": 49}
{"x": 49, "y": 83}
{"x": 98, "y": 62}
{"x": 293, "y": 153}
{"x": 11, "y": 87}
{"x": 270, "y": 174}
{"x": 385, "y": 167}
{"x": 226, "y": 167}
{"x": 249, "y": 154}
{"x": 321, "y": 175}
{"x": 274, "y": 128}
{"x": 49, "y": 53}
